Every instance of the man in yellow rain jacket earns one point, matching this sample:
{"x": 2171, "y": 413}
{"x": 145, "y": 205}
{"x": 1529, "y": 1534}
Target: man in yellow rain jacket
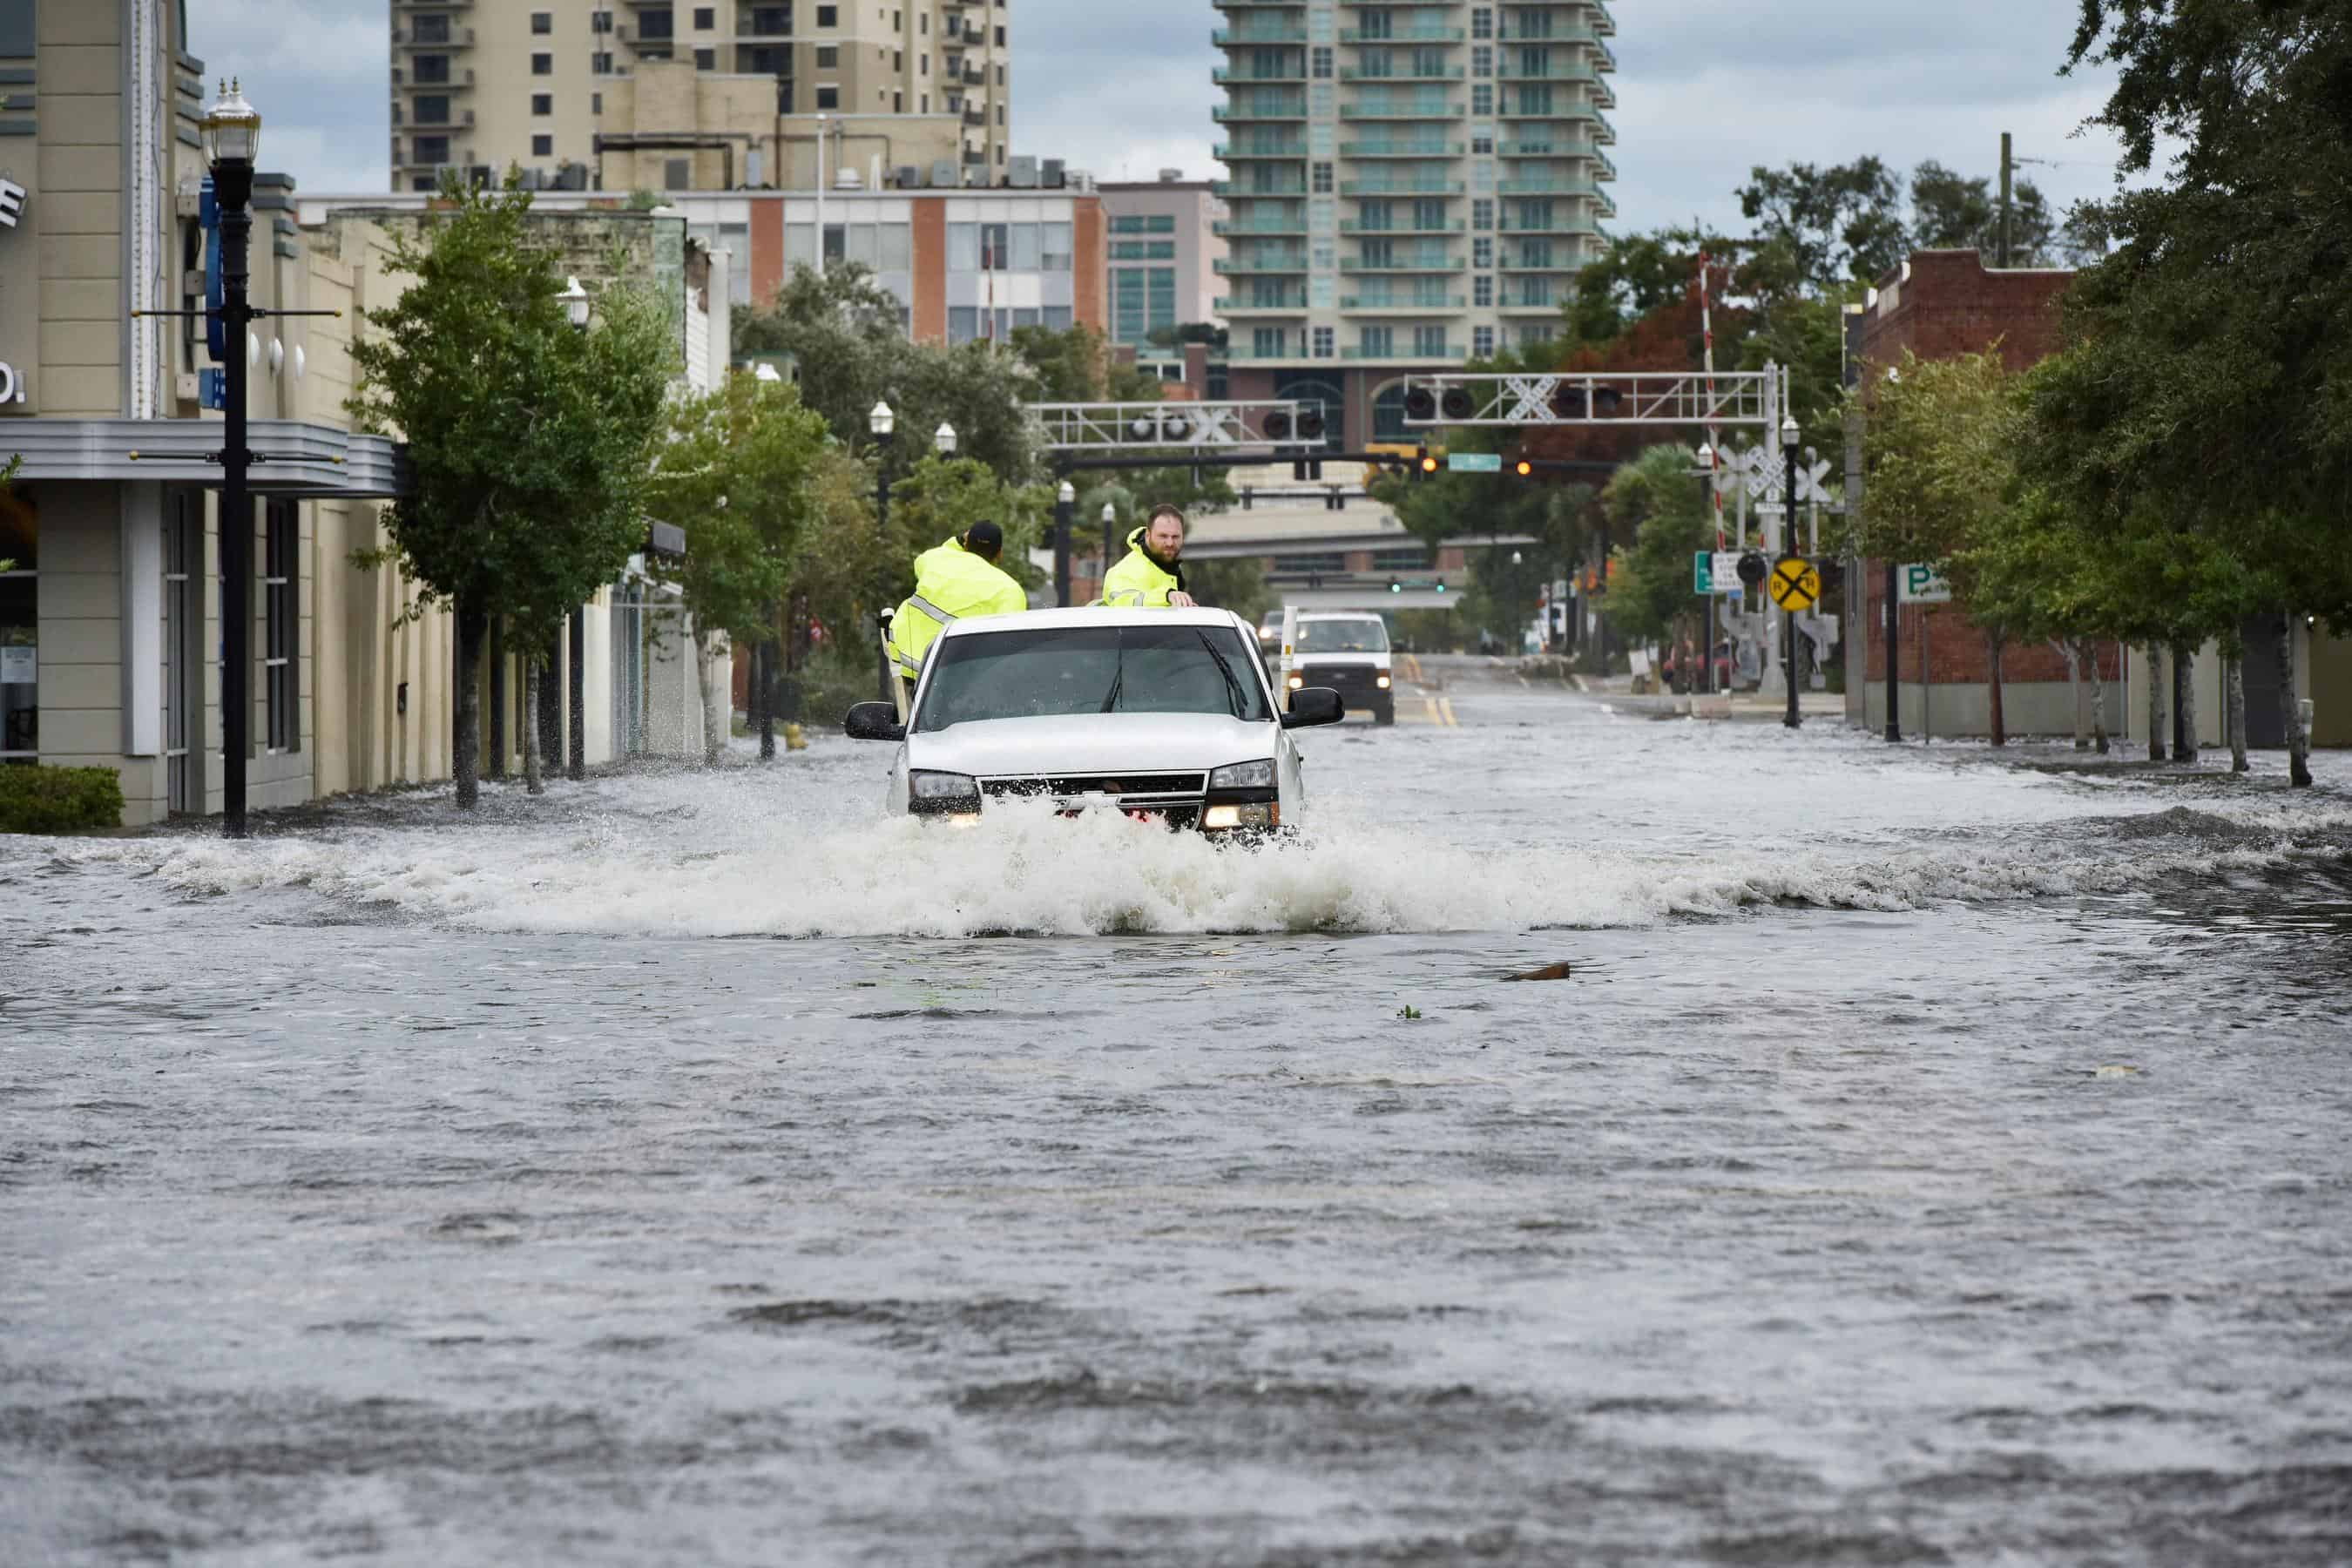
{"x": 1152, "y": 575}
{"x": 957, "y": 579}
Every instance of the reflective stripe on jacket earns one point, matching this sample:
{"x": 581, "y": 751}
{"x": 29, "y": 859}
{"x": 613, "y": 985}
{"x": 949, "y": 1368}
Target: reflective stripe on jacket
{"x": 1140, "y": 582}
{"x": 951, "y": 583}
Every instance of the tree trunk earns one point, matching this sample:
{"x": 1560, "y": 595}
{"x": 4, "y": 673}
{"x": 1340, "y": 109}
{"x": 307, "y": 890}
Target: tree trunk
{"x": 763, "y": 709}
{"x": 2155, "y": 703}
{"x": 716, "y": 716}
{"x": 2184, "y": 703}
{"x": 472, "y": 627}
{"x": 496, "y": 765}
{"x": 2074, "y": 657}
{"x": 2099, "y": 697}
{"x": 531, "y": 736}
{"x": 2298, "y": 744}
{"x": 1994, "y": 642}
{"x": 2234, "y": 674}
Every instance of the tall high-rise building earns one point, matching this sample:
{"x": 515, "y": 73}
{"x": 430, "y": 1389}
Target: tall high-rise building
{"x": 1410, "y": 185}
{"x": 648, "y": 94}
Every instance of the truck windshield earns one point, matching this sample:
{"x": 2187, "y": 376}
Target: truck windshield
{"x": 1043, "y": 672}
{"x": 1370, "y": 635}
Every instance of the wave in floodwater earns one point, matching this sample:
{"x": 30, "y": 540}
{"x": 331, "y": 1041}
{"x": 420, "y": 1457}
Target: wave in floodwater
{"x": 1027, "y": 872}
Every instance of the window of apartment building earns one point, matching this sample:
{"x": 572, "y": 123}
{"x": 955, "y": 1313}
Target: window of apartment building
{"x": 1327, "y": 343}
{"x": 925, "y": 107}
{"x": 1482, "y": 23}
{"x": 431, "y": 148}
{"x": 429, "y": 30}
{"x": 1482, "y": 60}
{"x": 1482, "y": 217}
{"x": 923, "y": 22}
{"x": 657, "y": 26}
{"x": 282, "y": 674}
{"x": 542, "y": 146}
{"x": 600, "y": 64}
{"x": 922, "y": 65}
{"x": 705, "y": 17}
{"x": 1482, "y": 341}
{"x": 1320, "y": 67}
{"x": 999, "y": 38}
{"x": 542, "y": 103}
{"x": 1429, "y": 342}
{"x": 706, "y": 59}
{"x": 677, "y": 173}
{"x": 1377, "y": 343}
{"x": 432, "y": 109}
{"x": 1269, "y": 342}
{"x": 600, "y": 21}
{"x": 1482, "y": 292}
{"x": 596, "y": 103}
{"x": 1535, "y": 335}
{"x": 1482, "y": 143}
{"x": 1323, "y": 180}
{"x": 1000, "y": 76}
{"x": 423, "y": 182}
{"x": 828, "y": 97}
{"x": 431, "y": 70}
{"x": 828, "y": 56}
{"x": 1482, "y": 253}
{"x": 828, "y": 15}
{"x": 897, "y": 103}
{"x": 542, "y": 22}
{"x": 1482, "y": 98}
{"x": 542, "y": 65}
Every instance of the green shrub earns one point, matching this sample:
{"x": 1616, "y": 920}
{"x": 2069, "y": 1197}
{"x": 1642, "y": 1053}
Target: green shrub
{"x": 59, "y": 800}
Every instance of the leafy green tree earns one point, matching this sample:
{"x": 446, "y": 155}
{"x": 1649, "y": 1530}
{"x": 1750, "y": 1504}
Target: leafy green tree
{"x": 1078, "y": 366}
{"x": 738, "y": 473}
{"x": 945, "y": 496}
{"x": 1839, "y": 224}
{"x": 1238, "y": 585}
{"x": 2209, "y": 381}
{"x": 529, "y": 441}
{"x": 1657, "y": 506}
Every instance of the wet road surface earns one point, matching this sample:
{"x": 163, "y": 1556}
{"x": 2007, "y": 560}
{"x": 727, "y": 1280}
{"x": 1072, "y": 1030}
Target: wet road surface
{"x": 1923, "y": 1160}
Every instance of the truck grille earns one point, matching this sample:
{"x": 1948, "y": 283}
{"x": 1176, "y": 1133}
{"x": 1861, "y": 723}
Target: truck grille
{"x": 1126, "y": 786}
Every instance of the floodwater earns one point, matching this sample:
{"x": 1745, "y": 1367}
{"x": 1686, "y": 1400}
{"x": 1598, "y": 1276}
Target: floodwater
{"x": 1922, "y": 1159}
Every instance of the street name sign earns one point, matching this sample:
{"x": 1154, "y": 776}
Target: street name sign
{"x": 1922, "y": 585}
{"x": 1794, "y": 584}
{"x": 1475, "y": 462}
{"x": 1703, "y": 573}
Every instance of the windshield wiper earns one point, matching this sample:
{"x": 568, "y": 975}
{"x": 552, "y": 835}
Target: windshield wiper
{"x": 1118, "y": 683}
{"x": 1233, "y": 687}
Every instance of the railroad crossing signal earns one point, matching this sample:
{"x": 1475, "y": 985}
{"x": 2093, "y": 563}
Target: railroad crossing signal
{"x": 1794, "y": 586}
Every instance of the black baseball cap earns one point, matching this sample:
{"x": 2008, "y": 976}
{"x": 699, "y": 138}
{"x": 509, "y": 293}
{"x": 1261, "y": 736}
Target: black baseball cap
{"x": 984, "y": 537}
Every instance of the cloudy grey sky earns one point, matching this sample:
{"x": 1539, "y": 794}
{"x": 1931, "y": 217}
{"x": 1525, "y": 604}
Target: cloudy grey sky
{"x": 1705, "y": 90}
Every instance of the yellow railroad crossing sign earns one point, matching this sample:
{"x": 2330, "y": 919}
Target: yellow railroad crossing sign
{"x": 1794, "y": 584}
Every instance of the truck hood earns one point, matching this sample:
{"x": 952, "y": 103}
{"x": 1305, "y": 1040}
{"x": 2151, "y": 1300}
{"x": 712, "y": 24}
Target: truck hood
{"x": 1351, "y": 660}
{"x": 1092, "y": 744}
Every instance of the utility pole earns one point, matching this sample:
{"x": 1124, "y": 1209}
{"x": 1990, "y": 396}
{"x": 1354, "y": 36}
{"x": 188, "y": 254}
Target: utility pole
{"x": 2008, "y": 169}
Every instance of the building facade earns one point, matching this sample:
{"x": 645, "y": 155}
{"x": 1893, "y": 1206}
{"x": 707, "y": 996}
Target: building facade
{"x": 966, "y": 264}
{"x": 1410, "y": 186}
{"x": 683, "y": 95}
{"x": 1165, "y": 245}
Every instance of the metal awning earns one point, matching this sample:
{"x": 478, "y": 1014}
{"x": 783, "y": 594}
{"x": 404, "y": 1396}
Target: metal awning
{"x": 296, "y": 457}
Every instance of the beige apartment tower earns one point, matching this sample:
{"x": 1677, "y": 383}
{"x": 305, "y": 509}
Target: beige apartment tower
{"x": 671, "y": 94}
{"x": 1410, "y": 184}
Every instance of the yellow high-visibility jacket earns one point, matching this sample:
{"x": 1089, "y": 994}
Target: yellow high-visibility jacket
{"x": 1140, "y": 582}
{"x": 951, "y": 583}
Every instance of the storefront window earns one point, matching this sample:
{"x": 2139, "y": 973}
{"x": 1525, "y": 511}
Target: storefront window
{"x": 20, "y": 629}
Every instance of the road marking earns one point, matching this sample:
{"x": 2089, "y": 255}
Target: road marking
{"x": 1445, "y": 705}
{"x": 1412, "y": 665}
{"x": 1523, "y": 680}
{"x": 1434, "y": 717}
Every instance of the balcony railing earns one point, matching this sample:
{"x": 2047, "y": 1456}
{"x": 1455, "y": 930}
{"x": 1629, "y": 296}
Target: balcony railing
{"x": 1360, "y": 36}
{"x": 1251, "y": 37}
{"x": 1358, "y": 265}
{"x": 1361, "y": 303}
{"x": 1226, "y": 307}
{"x": 1546, "y": 188}
{"x": 1401, "y": 111}
{"x": 1226, "y": 76}
{"x": 1259, "y": 266}
{"x": 1232, "y": 112}
{"x": 456, "y": 38}
{"x": 1233, "y": 191}
{"x": 1259, "y": 228}
{"x": 1403, "y": 148}
{"x": 1409, "y": 353}
{"x": 1401, "y": 224}
{"x": 1409, "y": 73}
{"x": 1361, "y": 188}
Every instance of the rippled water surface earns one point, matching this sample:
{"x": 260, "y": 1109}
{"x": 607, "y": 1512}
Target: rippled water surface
{"x": 1921, "y": 1158}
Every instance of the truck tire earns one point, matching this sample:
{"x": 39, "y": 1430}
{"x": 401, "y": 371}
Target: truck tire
{"x": 1385, "y": 713}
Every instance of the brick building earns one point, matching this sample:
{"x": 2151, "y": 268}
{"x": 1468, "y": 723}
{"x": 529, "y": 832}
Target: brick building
{"x": 1941, "y": 304}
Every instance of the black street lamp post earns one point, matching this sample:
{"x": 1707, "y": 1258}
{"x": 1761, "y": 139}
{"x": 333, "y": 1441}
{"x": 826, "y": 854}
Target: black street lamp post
{"x": 232, "y": 138}
{"x": 575, "y": 307}
{"x": 1065, "y": 501}
{"x": 1111, "y": 536}
{"x": 1788, "y": 438}
{"x": 883, "y": 423}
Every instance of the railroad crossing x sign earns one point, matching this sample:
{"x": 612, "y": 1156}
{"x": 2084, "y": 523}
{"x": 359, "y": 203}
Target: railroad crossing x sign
{"x": 1794, "y": 586}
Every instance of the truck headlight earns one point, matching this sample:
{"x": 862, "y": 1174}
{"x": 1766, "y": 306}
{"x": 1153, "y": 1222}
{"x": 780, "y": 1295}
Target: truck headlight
{"x": 1382, "y": 680}
{"x": 938, "y": 793}
{"x": 1244, "y": 775}
{"x": 1224, "y": 818}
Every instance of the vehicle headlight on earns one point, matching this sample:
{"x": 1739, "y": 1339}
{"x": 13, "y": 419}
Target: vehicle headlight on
{"x": 942, "y": 793}
{"x": 1262, "y": 813}
{"x": 1380, "y": 679}
{"x": 1244, "y": 775}
{"x": 1298, "y": 683}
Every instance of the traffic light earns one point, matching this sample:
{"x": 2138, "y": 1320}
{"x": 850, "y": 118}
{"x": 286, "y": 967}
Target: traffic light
{"x": 1424, "y": 460}
{"x": 1395, "y": 586}
{"x": 1441, "y": 584}
{"x": 1752, "y": 570}
{"x": 1524, "y": 468}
